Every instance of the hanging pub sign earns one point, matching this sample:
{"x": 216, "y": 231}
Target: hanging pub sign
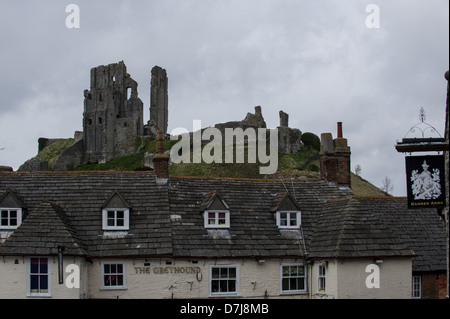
{"x": 425, "y": 181}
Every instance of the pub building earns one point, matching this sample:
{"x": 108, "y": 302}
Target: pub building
{"x": 146, "y": 234}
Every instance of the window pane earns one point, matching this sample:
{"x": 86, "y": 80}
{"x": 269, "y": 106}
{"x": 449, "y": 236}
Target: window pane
{"x": 285, "y": 284}
{"x": 223, "y": 285}
{"x": 113, "y": 268}
{"x": 107, "y": 280}
{"x": 120, "y": 280}
{"x": 223, "y": 272}
{"x": 293, "y": 219}
{"x": 106, "y": 269}
{"x": 43, "y": 265}
{"x": 300, "y": 284}
{"x": 34, "y": 283}
{"x": 293, "y": 271}
{"x": 215, "y": 272}
{"x": 211, "y": 218}
{"x": 13, "y": 222}
{"x": 34, "y": 269}
{"x": 232, "y": 273}
{"x": 321, "y": 284}
{"x": 285, "y": 271}
{"x": 4, "y": 218}
{"x": 283, "y": 219}
{"x": 119, "y": 268}
{"x": 293, "y": 282}
{"x": 120, "y": 218}
{"x": 43, "y": 281}
{"x": 215, "y": 286}
{"x": 321, "y": 270}
{"x": 231, "y": 285}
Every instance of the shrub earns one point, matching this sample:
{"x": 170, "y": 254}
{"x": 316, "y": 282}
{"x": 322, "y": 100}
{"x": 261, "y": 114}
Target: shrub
{"x": 311, "y": 140}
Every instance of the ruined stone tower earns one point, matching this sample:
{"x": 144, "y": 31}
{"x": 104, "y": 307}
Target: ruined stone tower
{"x": 113, "y": 114}
{"x": 159, "y": 101}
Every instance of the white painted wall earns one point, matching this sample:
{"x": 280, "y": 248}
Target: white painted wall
{"x": 14, "y": 277}
{"x": 344, "y": 279}
{"x": 395, "y": 279}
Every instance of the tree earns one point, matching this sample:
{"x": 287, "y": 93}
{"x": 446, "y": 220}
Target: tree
{"x": 311, "y": 140}
{"x": 387, "y": 185}
{"x": 358, "y": 170}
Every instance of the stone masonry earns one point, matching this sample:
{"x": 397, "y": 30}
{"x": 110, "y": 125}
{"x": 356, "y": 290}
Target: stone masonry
{"x": 113, "y": 120}
{"x": 113, "y": 114}
{"x": 159, "y": 102}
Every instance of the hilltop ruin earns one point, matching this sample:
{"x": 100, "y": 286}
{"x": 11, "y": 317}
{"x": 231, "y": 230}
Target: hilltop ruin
{"x": 113, "y": 120}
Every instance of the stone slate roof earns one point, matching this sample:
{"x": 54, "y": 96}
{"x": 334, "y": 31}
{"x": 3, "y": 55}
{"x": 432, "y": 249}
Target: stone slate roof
{"x": 46, "y": 228}
{"x": 81, "y": 197}
{"x": 253, "y": 230}
{"x": 347, "y": 228}
{"x": 65, "y": 208}
{"x": 422, "y": 229}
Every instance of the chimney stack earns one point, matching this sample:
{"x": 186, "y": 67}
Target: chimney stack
{"x": 335, "y": 158}
{"x": 161, "y": 160}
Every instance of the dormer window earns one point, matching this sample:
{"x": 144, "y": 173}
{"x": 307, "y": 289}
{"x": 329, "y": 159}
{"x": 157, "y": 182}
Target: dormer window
{"x": 11, "y": 211}
{"x": 288, "y": 219}
{"x": 217, "y": 219}
{"x": 10, "y": 218}
{"x": 216, "y": 213}
{"x": 115, "y": 213}
{"x": 116, "y": 219}
{"x": 287, "y": 211}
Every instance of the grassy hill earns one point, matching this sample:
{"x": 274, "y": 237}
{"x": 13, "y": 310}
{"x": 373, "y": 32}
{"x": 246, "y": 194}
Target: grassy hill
{"x": 301, "y": 165}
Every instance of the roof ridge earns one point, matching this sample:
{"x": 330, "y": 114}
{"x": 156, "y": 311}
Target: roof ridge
{"x": 248, "y": 179}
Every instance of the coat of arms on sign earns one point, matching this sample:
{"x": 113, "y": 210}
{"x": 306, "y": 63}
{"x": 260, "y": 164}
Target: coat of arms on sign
{"x": 426, "y": 185}
{"x": 425, "y": 181}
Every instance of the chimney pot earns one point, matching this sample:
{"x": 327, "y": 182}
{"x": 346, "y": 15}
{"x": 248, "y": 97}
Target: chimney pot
{"x": 339, "y": 130}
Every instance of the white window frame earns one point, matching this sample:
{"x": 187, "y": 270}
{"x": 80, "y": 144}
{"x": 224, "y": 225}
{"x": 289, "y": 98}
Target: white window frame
{"x": 237, "y": 281}
{"x": 416, "y": 292}
{"x": 124, "y": 275}
{"x": 305, "y": 279}
{"x": 216, "y": 218}
{"x": 322, "y": 278}
{"x": 48, "y": 274}
{"x": 19, "y": 218}
{"x": 289, "y": 212}
{"x": 126, "y": 223}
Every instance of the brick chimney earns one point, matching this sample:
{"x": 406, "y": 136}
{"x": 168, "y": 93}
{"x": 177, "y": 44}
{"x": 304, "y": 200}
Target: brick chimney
{"x": 161, "y": 160}
{"x": 335, "y": 158}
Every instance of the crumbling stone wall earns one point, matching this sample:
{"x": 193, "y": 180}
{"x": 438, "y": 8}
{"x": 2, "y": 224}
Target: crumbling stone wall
{"x": 289, "y": 139}
{"x": 159, "y": 102}
{"x": 255, "y": 120}
{"x": 113, "y": 114}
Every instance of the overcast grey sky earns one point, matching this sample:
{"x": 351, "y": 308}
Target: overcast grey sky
{"x": 315, "y": 60}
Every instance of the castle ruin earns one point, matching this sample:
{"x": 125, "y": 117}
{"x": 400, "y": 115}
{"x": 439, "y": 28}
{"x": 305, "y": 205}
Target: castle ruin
{"x": 113, "y": 114}
{"x": 113, "y": 120}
